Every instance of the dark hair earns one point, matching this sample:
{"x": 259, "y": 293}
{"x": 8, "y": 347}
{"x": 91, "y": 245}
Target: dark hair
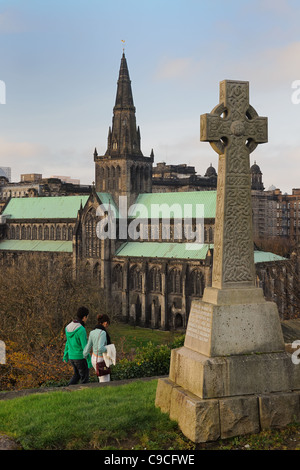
{"x": 82, "y": 312}
{"x": 101, "y": 318}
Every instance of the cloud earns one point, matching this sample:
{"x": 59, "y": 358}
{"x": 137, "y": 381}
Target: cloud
{"x": 265, "y": 68}
{"x": 19, "y": 150}
{"x": 182, "y": 67}
{"x": 272, "y": 67}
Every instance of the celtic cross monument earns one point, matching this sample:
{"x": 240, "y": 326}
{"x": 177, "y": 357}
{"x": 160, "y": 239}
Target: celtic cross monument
{"x": 233, "y": 362}
{"x": 233, "y": 129}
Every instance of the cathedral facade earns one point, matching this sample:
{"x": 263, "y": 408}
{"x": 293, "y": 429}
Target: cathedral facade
{"x": 151, "y": 248}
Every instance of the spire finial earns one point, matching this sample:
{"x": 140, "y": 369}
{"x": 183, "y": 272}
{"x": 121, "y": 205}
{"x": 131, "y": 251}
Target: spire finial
{"x": 122, "y": 40}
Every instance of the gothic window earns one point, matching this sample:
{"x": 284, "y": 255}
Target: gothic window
{"x": 12, "y": 232}
{"x": 174, "y": 281}
{"x": 155, "y": 280}
{"x": 28, "y": 235}
{"x": 135, "y": 279}
{"x": 196, "y": 283}
{"x": 70, "y": 232}
{"x": 51, "y": 232}
{"x": 58, "y": 233}
{"x": 92, "y": 242}
{"x": 64, "y": 232}
{"x": 17, "y": 232}
{"x": 40, "y": 232}
{"x": 46, "y": 233}
{"x": 117, "y": 276}
{"x": 89, "y": 235}
{"x": 118, "y": 178}
{"x": 34, "y": 232}
{"x": 23, "y": 232}
{"x": 101, "y": 179}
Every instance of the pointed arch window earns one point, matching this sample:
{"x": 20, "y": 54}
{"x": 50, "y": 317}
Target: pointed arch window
{"x": 70, "y": 232}
{"x": 92, "y": 242}
{"x": 34, "y": 232}
{"x": 135, "y": 279}
{"x": 12, "y": 232}
{"x": 51, "y": 232}
{"x": 40, "y": 232}
{"x": 58, "y": 233}
{"x": 117, "y": 277}
{"x": 46, "y": 233}
{"x": 64, "y": 232}
{"x": 196, "y": 283}
{"x": 174, "y": 281}
{"x": 155, "y": 280}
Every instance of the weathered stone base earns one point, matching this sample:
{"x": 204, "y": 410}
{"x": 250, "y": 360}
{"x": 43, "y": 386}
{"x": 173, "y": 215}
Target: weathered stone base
{"x": 221, "y": 397}
{"x": 203, "y": 420}
{"x": 248, "y": 374}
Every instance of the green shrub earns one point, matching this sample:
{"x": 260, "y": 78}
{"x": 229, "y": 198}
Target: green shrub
{"x": 150, "y": 360}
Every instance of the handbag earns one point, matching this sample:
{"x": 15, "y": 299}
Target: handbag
{"x": 101, "y": 367}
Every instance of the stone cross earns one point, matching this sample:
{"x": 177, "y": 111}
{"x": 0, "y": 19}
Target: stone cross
{"x": 234, "y": 130}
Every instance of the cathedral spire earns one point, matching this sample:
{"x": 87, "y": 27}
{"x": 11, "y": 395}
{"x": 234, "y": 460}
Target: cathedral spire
{"x": 124, "y": 99}
{"x": 124, "y": 137}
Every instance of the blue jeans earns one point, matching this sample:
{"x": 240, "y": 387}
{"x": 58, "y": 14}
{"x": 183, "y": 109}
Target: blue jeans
{"x": 81, "y": 371}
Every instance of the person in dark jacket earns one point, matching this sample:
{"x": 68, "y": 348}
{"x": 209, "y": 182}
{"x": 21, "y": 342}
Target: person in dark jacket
{"x": 76, "y": 341}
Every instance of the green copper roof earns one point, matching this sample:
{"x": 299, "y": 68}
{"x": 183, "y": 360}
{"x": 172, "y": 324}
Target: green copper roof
{"x": 194, "y": 251}
{"x": 37, "y": 245}
{"x": 63, "y": 207}
{"x": 266, "y": 257}
{"x": 175, "y": 203}
{"x": 163, "y": 250}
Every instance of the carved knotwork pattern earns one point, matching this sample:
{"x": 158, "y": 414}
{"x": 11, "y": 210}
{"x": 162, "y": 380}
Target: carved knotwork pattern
{"x": 233, "y": 135}
{"x": 238, "y": 248}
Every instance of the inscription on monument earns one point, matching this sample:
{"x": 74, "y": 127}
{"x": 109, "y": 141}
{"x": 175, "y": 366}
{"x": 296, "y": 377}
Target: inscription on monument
{"x": 198, "y": 333}
{"x": 199, "y": 325}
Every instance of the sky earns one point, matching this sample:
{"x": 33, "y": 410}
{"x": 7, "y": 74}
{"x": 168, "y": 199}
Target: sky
{"x": 59, "y": 65}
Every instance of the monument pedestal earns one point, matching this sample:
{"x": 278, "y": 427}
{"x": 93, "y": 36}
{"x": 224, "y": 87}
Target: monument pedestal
{"x": 232, "y": 376}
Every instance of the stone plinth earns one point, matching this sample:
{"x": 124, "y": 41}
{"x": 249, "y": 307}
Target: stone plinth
{"x": 203, "y": 420}
{"x": 220, "y": 330}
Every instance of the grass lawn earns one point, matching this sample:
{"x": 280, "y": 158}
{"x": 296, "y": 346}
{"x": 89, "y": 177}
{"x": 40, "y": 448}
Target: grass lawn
{"x": 116, "y": 417}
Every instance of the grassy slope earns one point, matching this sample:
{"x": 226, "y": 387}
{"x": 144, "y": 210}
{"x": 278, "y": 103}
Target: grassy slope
{"x": 95, "y": 418}
{"x": 114, "y": 418}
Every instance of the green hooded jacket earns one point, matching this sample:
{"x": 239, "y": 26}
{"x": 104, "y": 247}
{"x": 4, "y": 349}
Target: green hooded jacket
{"x": 76, "y": 342}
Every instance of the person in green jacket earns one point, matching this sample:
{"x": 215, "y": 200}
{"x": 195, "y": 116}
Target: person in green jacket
{"x": 75, "y": 344}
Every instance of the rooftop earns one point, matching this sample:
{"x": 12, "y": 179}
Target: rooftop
{"x": 64, "y": 207}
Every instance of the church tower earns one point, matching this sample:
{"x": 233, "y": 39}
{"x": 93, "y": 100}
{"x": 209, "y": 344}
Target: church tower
{"x": 123, "y": 170}
{"x": 256, "y": 178}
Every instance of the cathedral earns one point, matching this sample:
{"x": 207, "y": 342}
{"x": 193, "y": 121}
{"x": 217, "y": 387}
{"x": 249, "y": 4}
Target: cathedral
{"x": 151, "y": 249}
